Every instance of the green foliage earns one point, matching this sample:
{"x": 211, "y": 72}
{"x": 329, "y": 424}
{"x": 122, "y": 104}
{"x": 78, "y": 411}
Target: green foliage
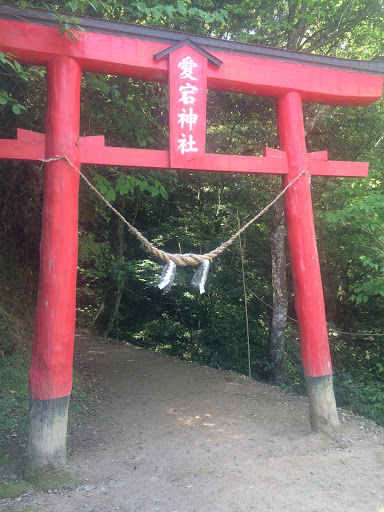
{"x": 70, "y": 26}
{"x": 14, "y": 401}
{"x": 359, "y": 225}
{"x": 149, "y": 13}
{"x": 8, "y": 60}
{"x": 12, "y": 489}
{"x": 48, "y": 477}
{"x": 128, "y": 185}
{"x": 9, "y": 65}
{"x": 178, "y": 14}
{"x": 363, "y": 394}
{"x": 7, "y": 339}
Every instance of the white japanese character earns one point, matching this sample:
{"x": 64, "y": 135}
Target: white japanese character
{"x": 186, "y": 146}
{"x": 187, "y": 92}
{"x": 187, "y": 65}
{"x": 188, "y": 119}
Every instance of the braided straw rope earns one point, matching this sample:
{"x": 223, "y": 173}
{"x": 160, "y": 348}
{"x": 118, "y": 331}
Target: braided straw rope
{"x": 179, "y": 259}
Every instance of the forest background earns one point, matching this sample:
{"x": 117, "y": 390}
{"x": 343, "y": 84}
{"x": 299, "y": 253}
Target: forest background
{"x": 183, "y": 211}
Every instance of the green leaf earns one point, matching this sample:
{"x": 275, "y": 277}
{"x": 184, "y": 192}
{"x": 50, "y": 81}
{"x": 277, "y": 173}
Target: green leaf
{"x": 16, "y": 109}
{"x": 169, "y": 9}
{"x": 92, "y": 5}
{"x": 110, "y": 195}
{"x": 181, "y": 8}
{"x": 208, "y": 18}
{"x": 24, "y": 76}
{"x": 124, "y": 190}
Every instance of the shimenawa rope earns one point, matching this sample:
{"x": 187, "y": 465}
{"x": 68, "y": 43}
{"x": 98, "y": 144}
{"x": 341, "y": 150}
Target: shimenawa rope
{"x": 191, "y": 259}
{"x": 178, "y": 259}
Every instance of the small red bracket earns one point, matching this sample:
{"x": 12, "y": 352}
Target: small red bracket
{"x": 29, "y": 135}
{"x": 92, "y": 140}
{"x": 319, "y": 165}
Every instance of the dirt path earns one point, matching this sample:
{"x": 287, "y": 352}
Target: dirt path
{"x": 174, "y": 437}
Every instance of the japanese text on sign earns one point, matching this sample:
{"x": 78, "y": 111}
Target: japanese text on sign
{"x": 188, "y": 97}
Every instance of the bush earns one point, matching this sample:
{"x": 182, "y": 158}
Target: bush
{"x": 14, "y": 402}
{"x": 360, "y": 393}
{"x": 7, "y": 340}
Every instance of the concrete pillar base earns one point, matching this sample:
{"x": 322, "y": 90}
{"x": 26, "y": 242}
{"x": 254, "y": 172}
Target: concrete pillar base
{"x": 322, "y": 406}
{"x": 47, "y": 435}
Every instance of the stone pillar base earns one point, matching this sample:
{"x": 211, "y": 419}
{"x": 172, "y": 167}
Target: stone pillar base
{"x": 322, "y": 406}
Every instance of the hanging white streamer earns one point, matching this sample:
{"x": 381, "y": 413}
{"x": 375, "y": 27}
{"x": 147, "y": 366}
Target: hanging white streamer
{"x": 200, "y": 277}
{"x": 168, "y": 276}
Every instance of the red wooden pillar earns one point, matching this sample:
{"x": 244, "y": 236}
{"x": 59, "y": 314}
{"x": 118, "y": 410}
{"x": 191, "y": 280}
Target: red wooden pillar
{"x": 52, "y": 351}
{"x": 309, "y": 300}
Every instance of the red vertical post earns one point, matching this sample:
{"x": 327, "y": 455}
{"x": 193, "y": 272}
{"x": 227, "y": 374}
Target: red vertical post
{"x": 53, "y": 341}
{"x": 309, "y": 300}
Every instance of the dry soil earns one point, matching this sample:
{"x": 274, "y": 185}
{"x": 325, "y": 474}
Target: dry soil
{"x": 169, "y": 436}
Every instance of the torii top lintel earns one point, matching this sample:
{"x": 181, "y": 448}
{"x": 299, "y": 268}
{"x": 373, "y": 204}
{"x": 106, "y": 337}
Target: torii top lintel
{"x": 138, "y": 52}
{"x": 129, "y": 50}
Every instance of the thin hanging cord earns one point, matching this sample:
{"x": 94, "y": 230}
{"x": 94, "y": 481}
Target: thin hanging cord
{"x": 332, "y": 331}
{"x": 117, "y": 324}
{"x": 245, "y": 300}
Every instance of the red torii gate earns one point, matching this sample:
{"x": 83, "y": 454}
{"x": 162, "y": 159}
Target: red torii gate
{"x": 121, "y": 49}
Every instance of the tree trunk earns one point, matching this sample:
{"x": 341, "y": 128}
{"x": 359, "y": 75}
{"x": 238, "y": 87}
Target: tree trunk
{"x": 115, "y": 284}
{"x": 108, "y": 314}
{"x": 280, "y": 299}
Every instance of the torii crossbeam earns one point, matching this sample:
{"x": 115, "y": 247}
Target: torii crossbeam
{"x": 190, "y": 66}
